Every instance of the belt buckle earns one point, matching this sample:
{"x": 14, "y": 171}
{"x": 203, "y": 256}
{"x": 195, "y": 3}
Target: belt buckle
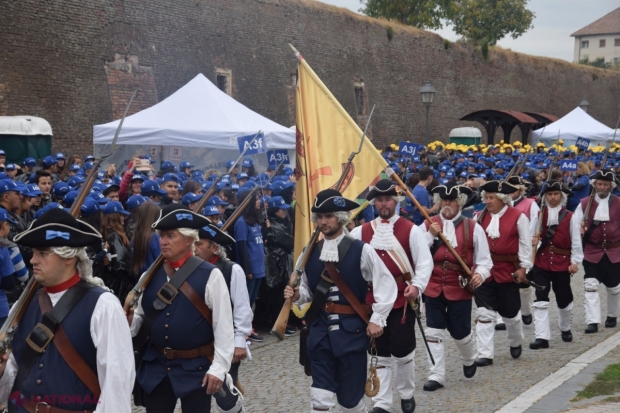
{"x": 326, "y": 306}
{"x": 36, "y": 407}
{"x": 604, "y": 244}
{"x": 166, "y": 349}
{"x": 444, "y": 265}
{"x": 167, "y": 287}
{"x": 49, "y": 337}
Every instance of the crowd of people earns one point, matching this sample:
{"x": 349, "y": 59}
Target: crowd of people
{"x": 483, "y": 207}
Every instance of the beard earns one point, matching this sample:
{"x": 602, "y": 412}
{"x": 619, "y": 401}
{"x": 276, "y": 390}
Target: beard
{"x": 447, "y": 211}
{"x": 386, "y": 213}
{"x": 603, "y": 194}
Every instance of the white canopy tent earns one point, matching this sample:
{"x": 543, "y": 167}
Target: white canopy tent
{"x": 198, "y": 123}
{"x": 573, "y": 125}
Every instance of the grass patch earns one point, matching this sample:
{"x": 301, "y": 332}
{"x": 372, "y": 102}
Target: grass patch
{"x": 607, "y": 382}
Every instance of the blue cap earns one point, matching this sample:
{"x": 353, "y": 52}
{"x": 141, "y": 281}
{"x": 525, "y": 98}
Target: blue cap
{"x": 7, "y": 185}
{"x": 49, "y": 161}
{"x": 59, "y": 155}
{"x": 89, "y": 158}
{"x": 288, "y": 171}
{"x": 99, "y": 197}
{"x": 190, "y": 198}
{"x": 88, "y": 165}
{"x": 198, "y": 175}
{"x": 206, "y": 185}
{"x": 46, "y": 208}
{"x": 167, "y": 164}
{"x": 30, "y": 162}
{"x": 75, "y": 180}
{"x": 135, "y": 201}
{"x": 2, "y": 152}
{"x": 89, "y": 207}
{"x": 243, "y": 175}
{"x": 100, "y": 175}
{"x": 150, "y": 187}
{"x": 69, "y": 198}
{"x": 185, "y": 164}
{"x": 222, "y": 185}
{"x": 138, "y": 177}
{"x": 210, "y": 210}
{"x": 277, "y": 202}
{"x": 5, "y": 216}
{"x": 60, "y": 189}
{"x": 170, "y": 177}
{"x": 216, "y": 200}
{"x": 9, "y": 167}
{"x": 74, "y": 168}
{"x": 230, "y": 164}
{"x": 113, "y": 207}
{"x": 247, "y": 163}
{"x": 408, "y": 205}
{"x": 234, "y": 187}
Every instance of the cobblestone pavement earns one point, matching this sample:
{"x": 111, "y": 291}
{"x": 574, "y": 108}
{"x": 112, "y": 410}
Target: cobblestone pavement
{"x": 274, "y": 381}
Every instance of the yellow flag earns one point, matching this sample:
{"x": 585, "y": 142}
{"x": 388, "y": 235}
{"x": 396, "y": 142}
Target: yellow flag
{"x": 326, "y": 136}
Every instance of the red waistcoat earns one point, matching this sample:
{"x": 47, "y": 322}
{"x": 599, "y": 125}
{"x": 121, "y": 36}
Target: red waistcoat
{"x": 525, "y": 205}
{"x": 545, "y": 259}
{"x": 606, "y": 231}
{"x": 402, "y": 229}
{"x": 447, "y": 281}
{"x": 506, "y": 244}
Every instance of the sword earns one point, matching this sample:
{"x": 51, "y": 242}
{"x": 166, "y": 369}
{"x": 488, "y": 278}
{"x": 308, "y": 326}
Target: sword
{"x": 527, "y": 282}
{"x": 416, "y": 310}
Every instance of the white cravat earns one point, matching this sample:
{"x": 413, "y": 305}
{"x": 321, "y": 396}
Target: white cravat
{"x": 493, "y": 228}
{"x": 602, "y": 210}
{"x": 383, "y": 238}
{"x": 553, "y": 215}
{"x": 329, "y": 253}
{"x": 448, "y": 229}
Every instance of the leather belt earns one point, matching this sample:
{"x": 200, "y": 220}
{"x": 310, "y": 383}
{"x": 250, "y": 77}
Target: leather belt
{"x": 40, "y": 407}
{"x": 606, "y": 244}
{"x": 505, "y": 258}
{"x": 447, "y": 265}
{"x": 560, "y": 251}
{"x": 403, "y": 278}
{"x": 345, "y": 309}
{"x": 203, "y": 351}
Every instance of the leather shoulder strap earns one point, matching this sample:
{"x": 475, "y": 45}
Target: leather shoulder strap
{"x": 346, "y": 291}
{"x": 438, "y": 242}
{"x": 551, "y": 230}
{"x": 466, "y": 229}
{"x": 343, "y": 247}
{"x": 197, "y": 301}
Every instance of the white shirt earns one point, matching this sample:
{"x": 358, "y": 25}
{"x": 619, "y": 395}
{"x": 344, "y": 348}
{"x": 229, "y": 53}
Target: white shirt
{"x": 218, "y": 300}
{"x": 525, "y": 239}
{"x": 373, "y": 270}
{"x": 242, "y": 312}
{"x": 420, "y": 254}
{"x": 482, "y": 255}
{"x": 115, "y": 363}
{"x": 533, "y": 218}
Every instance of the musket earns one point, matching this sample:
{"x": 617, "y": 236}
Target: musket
{"x": 584, "y": 221}
{"x": 22, "y": 303}
{"x": 464, "y": 282}
{"x": 295, "y": 281}
{"x": 134, "y": 295}
{"x": 359, "y": 210}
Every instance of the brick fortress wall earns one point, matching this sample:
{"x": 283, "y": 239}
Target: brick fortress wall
{"x": 75, "y": 63}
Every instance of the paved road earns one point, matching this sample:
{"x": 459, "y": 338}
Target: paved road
{"x": 275, "y": 382}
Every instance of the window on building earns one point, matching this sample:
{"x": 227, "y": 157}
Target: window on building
{"x": 360, "y": 98}
{"x": 585, "y": 44}
{"x": 616, "y": 61}
{"x": 616, "y": 42}
{"x": 601, "y": 43}
{"x": 223, "y": 80}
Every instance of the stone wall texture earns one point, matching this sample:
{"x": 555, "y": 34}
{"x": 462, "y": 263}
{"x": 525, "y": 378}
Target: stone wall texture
{"x": 76, "y": 62}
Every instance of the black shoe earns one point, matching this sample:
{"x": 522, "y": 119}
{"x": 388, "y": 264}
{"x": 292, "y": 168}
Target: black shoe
{"x": 592, "y": 328}
{"x": 470, "y": 371}
{"x": 500, "y": 327}
{"x": 610, "y": 322}
{"x": 527, "y": 319}
{"x": 379, "y": 410}
{"x": 483, "y": 362}
{"x": 408, "y": 406}
{"x": 567, "y": 336}
{"x": 432, "y": 385}
{"x": 290, "y": 331}
{"x": 515, "y": 352}
{"x": 538, "y": 344}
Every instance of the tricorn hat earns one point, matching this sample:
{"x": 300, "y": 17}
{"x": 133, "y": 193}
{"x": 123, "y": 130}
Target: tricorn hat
{"x": 451, "y": 190}
{"x": 58, "y": 228}
{"x": 517, "y": 180}
{"x": 175, "y": 216}
{"x": 213, "y": 233}
{"x": 603, "y": 175}
{"x": 384, "y": 187}
{"x": 499, "y": 187}
{"x": 330, "y": 200}
{"x": 555, "y": 186}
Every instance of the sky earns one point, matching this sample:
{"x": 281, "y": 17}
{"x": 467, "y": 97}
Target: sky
{"x": 554, "y": 22}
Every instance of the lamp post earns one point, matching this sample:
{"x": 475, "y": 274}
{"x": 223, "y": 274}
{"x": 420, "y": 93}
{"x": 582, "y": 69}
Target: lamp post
{"x": 427, "y": 93}
{"x": 584, "y": 105}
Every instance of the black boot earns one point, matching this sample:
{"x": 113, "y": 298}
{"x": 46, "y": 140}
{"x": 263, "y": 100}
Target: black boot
{"x": 515, "y": 352}
{"x": 539, "y": 343}
{"x": 610, "y": 322}
{"x": 483, "y": 362}
{"x": 527, "y": 319}
{"x": 432, "y": 385}
{"x": 408, "y": 406}
{"x": 567, "y": 336}
{"x": 592, "y": 328}
{"x": 469, "y": 371}
{"x": 379, "y": 410}
{"x": 500, "y": 327}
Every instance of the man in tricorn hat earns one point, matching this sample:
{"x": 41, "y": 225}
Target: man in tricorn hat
{"x": 510, "y": 243}
{"x": 72, "y": 329}
{"x": 448, "y": 306}
{"x": 339, "y": 314}
{"x": 184, "y": 319}
{"x": 558, "y": 256}
{"x": 210, "y": 247}
{"x": 601, "y": 237}
{"x": 402, "y": 247}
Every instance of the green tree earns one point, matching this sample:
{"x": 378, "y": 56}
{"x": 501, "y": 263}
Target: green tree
{"x": 598, "y": 62}
{"x": 485, "y": 22}
{"x": 425, "y": 14}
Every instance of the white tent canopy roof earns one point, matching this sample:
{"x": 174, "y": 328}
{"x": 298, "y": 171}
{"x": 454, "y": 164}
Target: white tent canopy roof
{"x": 465, "y": 132}
{"x": 24, "y": 125}
{"x": 197, "y": 115}
{"x": 573, "y": 125}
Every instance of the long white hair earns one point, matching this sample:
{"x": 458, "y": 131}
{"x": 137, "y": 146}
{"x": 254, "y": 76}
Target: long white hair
{"x": 84, "y": 265}
{"x": 505, "y": 198}
{"x": 343, "y": 217}
{"x": 461, "y": 200}
{"x": 187, "y": 232}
